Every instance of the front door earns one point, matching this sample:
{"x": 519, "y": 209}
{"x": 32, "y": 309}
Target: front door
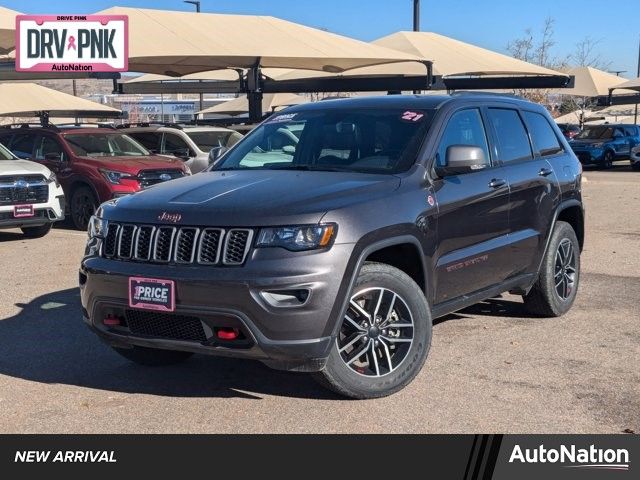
{"x": 472, "y": 218}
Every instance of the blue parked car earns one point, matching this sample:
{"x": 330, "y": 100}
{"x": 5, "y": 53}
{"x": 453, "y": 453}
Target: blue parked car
{"x": 600, "y": 145}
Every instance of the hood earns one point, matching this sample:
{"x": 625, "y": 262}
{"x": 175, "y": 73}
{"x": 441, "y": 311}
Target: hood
{"x": 587, "y": 142}
{"x": 22, "y": 167}
{"x": 134, "y": 164}
{"x": 252, "y": 198}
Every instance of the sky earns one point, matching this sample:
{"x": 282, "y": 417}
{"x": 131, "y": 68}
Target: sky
{"x": 490, "y": 24}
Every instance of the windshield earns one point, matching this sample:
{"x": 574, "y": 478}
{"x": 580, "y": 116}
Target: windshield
{"x": 357, "y": 140}
{"x": 596, "y": 132}
{"x": 5, "y": 154}
{"x": 104, "y": 144}
{"x": 208, "y": 140}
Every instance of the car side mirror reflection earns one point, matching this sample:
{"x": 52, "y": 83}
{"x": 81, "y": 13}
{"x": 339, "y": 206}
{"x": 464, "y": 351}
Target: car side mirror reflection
{"x": 462, "y": 159}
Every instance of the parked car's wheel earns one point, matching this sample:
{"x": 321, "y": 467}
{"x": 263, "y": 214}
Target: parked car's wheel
{"x": 635, "y": 166}
{"x": 152, "y": 357}
{"x": 83, "y": 204}
{"x": 36, "y": 232}
{"x": 555, "y": 290}
{"x": 384, "y": 337}
{"x": 607, "y": 160}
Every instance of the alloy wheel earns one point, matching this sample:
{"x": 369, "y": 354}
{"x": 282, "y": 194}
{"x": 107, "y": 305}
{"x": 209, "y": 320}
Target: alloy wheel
{"x": 83, "y": 208}
{"x": 565, "y": 269}
{"x": 376, "y": 332}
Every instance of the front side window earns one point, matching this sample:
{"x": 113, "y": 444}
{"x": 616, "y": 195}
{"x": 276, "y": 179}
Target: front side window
{"x": 360, "y": 140}
{"x": 208, "y": 140}
{"x": 464, "y": 128}
{"x": 544, "y": 138}
{"x": 174, "y": 144}
{"x": 512, "y": 139}
{"x": 48, "y": 146}
{"x": 101, "y": 144}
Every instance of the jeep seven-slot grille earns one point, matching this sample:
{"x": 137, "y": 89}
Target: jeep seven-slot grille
{"x": 23, "y": 189}
{"x": 182, "y": 245}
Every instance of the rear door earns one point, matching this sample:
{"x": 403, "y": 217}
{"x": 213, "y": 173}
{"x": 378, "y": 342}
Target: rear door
{"x": 524, "y": 142}
{"x": 472, "y": 219}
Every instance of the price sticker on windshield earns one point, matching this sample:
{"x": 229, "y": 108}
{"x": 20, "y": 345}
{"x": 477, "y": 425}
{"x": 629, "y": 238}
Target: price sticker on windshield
{"x": 412, "y": 116}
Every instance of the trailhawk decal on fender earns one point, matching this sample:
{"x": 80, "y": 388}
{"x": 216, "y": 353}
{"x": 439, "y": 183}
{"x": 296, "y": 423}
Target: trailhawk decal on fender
{"x": 152, "y": 294}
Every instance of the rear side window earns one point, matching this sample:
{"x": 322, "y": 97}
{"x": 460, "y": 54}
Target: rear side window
{"x": 544, "y": 138}
{"x": 464, "y": 128}
{"x": 630, "y": 131}
{"x": 22, "y": 145}
{"x": 513, "y": 142}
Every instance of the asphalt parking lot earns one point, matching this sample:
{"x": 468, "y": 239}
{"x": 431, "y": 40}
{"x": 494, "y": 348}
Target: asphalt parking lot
{"x": 490, "y": 369}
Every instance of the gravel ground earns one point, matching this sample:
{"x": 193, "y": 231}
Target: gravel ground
{"x": 491, "y": 369}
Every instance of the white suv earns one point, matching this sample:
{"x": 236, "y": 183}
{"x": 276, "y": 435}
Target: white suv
{"x": 30, "y": 196}
{"x": 190, "y": 143}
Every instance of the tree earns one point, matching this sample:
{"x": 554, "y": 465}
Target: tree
{"x": 585, "y": 55}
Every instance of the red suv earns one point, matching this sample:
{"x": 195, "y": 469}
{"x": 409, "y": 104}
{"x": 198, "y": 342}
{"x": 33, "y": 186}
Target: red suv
{"x": 93, "y": 165}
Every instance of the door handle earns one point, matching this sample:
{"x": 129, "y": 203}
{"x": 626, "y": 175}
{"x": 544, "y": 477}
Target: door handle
{"x": 545, "y": 172}
{"x": 497, "y": 183}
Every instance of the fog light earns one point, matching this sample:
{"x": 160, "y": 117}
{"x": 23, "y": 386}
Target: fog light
{"x": 111, "y": 321}
{"x": 228, "y": 333}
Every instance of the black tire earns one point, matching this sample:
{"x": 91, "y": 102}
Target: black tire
{"x": 342, "y": 378}
{"x": 545, "y": 299}
{"x": 36, "y": 232}
{"x": 607, "y": 160}
{"x": 83, "y": 204}
{"x": 635, "y": 166}
{"x": 152, "y": 357}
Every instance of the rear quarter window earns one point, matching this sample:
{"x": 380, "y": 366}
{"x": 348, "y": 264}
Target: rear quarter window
{"x": 542, "y": 134}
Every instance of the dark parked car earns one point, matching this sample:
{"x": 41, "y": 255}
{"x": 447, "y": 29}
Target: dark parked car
{"x": 93, "y": 165}
{"x": 333, "y": 256}
{"x": 600, "y": 145}
{"x": 568, "y": 130}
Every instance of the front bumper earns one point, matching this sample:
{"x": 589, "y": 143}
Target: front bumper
{"x": 51, "y": 211}
{"x": 291, "y": 335}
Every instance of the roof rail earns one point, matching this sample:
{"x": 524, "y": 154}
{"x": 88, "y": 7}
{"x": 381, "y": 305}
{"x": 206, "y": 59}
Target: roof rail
{"x": 488, "y": 94}
{"x": 29, "y": 125}
{"x": 179, "y": 126}
{"x": 87, "y": 124}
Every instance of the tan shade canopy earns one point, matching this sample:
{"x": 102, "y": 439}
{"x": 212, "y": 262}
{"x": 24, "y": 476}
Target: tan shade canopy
{"x": 211, "y": 75}
{"x": 629, "y": 85}
{"x": 270, "y": 102}
{"x": 591, "y": 82}
{"x": 455, "y": 58}
{"x": 29, "y": 99}
{"x": 178, "y": 43}
{"x": 7, "y": 29}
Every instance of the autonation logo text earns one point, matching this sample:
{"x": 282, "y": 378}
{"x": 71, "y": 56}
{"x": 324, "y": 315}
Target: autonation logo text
{"x": 574, "y": 457}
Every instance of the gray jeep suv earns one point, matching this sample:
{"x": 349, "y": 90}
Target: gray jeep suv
{"x": 333, "y": 254}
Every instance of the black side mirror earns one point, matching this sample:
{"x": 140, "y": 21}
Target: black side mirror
{"x": 53, "y": 157}
{"x": 182, "y": 153}
{"x": 462, "y": 159}
{"x": 215, "y": 153}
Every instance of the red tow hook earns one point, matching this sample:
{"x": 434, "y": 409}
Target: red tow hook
{"x": 111, "y": 321}
{"x": 228, "y": 333}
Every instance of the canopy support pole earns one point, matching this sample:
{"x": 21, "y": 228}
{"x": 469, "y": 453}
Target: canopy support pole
{"x": 254, "y": 93}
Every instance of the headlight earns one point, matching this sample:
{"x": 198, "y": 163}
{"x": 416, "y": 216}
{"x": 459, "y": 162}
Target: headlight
{"x": 53, "y": 179}
{"x": 297, "y": 238}
{"x": 187, "y": 170}
{"x": 114, "y": 177}
{"x": 97, "y": 227}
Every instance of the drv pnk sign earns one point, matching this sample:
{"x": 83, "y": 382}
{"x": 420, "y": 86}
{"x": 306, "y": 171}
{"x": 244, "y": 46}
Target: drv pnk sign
{"x": 72, "y": 43}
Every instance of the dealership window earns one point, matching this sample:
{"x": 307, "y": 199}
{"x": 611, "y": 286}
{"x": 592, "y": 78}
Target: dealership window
{"x": 464, "y": 128}
{"x": 544, "y": 138}
{"x": 513, "y": 142}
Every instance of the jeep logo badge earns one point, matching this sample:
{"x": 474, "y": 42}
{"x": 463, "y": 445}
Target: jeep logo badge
{"x": 169, "y": 217}
{"x": 21, "y": 184}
